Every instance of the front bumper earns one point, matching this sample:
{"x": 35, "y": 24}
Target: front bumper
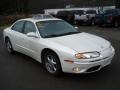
{"x": 103, "y": 22}
{"x": 87, "y": 67}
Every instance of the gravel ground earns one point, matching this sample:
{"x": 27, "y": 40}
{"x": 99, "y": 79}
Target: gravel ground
{"x": 19, "y": 72}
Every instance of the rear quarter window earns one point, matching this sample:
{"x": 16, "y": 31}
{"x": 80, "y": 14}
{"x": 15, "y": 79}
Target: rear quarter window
{"x": 18, "y": 26}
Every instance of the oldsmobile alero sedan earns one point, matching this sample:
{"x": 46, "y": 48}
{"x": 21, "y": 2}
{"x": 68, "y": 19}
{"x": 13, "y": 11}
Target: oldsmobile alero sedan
{"x": 59, "y": 46}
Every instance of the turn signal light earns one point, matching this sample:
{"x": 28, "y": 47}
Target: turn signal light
{"x": 69, "y": 61}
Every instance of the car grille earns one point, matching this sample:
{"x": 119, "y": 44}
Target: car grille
{"x": 99, "y": 59}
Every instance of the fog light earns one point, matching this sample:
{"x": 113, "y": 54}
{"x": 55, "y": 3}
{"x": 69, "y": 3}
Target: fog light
{"x": 76, "y": 69}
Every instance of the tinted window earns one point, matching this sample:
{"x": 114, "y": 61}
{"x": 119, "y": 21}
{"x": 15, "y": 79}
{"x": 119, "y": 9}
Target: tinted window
{"x": 91, "y": 12}
{"x": 54, "y": 28}
{"x": 29, "y": 27}
{"x": 61, "y": 12}
{"x": 18, "y": 26}
{"x": 112, "y": 11}
{"x": 78, "y": 11}
{"x": 119, "y": 11}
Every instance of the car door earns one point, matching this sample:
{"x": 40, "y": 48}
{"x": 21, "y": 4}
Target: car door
{"x": 30, "y": 43}
{"x": 81, "y": 15}
{"x": 119, "y": 17}
{"x": 17, "y": 35}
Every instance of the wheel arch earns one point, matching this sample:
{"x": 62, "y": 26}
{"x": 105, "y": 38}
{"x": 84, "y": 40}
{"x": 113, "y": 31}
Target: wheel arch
{"x": 45, "y": 50}
{"x": 6, "y": 38}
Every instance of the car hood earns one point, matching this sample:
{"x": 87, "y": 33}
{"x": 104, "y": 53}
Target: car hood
{"x": 82, "y": 42}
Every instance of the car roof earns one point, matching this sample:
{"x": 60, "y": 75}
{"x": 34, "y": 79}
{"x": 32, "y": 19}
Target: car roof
{"x": 38, "y": 20}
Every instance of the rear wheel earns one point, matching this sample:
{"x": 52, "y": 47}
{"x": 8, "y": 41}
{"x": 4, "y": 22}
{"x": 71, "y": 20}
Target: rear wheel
{"x": 9, "y": 46}
{"x": 52, "y": 63}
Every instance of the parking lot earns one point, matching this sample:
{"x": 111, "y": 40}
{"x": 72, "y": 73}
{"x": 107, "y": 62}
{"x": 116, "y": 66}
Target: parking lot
{"x": 19, "y": 72}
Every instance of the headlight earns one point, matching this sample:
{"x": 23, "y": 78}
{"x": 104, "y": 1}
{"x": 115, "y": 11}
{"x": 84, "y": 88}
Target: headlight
{"x": 87, "y": 55}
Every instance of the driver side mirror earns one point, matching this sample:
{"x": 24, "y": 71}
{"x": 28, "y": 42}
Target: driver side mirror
{"x": 32, "y": 34}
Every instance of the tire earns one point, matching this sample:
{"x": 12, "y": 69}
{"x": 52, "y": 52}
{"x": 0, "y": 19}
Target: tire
{"x": 100, "y": 25}
{"x": 92, "y": 22}
{"x": 52, "y": 63}
{"x": 116, "y": 24}
{"x": 9, "y": 46}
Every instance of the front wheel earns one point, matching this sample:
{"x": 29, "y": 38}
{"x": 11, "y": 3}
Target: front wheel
{"x": 52, "y": 63}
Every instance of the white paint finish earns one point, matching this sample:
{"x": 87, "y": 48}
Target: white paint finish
{"x": 82, "y": 42}
{"x": 65, "y": 47}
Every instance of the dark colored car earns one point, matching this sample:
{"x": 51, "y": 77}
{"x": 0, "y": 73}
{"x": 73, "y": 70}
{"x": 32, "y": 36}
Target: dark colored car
{"x": 108, "y": 17}
{"x": 66, "y": 15}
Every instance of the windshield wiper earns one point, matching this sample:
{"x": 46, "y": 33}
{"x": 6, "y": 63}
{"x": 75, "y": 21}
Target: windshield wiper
{"x": 69, "y": 33}
{"x": 53, "y": 35}
{"x": 56, "y": 35}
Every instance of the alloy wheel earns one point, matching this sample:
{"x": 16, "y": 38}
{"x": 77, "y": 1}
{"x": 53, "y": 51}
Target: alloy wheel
{"x": 51, "y": 64}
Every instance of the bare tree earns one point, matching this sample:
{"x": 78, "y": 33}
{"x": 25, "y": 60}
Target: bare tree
{"x": 117, "y": 2}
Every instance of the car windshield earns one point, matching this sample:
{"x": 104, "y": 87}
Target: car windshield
{"x": 78, "y": 11}
{"x": 55, "y": 28}
{"x": 111, "y": 11}
{"x": 91, "y": 12}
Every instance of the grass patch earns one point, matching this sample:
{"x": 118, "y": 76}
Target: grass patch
{"x": 3, "y": 27}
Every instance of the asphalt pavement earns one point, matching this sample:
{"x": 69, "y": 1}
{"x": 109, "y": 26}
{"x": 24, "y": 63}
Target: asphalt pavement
{"x": 19, "y": 72}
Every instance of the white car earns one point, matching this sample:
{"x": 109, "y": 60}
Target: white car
{"x": 80, "y": 16}
{"x": 85, "y": 16}
{"x": 58, "y": 45}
